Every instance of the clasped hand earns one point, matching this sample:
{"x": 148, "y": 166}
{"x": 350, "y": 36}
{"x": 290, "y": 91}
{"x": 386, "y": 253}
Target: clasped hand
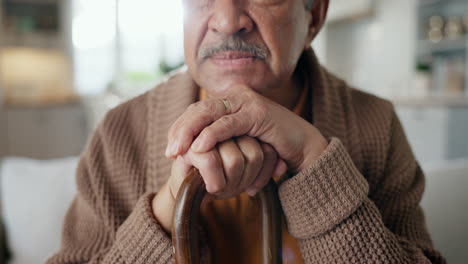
{"x": 240, "y": 151}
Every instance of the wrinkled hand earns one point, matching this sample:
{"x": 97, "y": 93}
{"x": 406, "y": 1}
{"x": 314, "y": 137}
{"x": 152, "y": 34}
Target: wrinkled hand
{"x": 205, "y": 123}
{"x": 232, "y": 167}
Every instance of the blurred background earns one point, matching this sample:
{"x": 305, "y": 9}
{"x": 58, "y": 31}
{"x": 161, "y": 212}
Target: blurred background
{"x": 65, "y": 63}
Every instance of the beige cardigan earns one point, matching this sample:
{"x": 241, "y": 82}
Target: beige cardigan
{"x": 359, "y": 203}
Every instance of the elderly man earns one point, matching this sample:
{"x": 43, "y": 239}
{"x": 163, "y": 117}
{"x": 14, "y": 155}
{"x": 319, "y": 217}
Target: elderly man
{"x": 252, "y": 104}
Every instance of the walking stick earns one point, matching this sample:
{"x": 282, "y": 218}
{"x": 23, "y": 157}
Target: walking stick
{"x": 185, "y": 221}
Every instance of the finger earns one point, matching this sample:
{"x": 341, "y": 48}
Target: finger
{"x": 280, "y": 168}
{"x": 191, "y": 122}
{"x": 272, "y": 167}
{"x": 180, "y": 170}
{"x": 226, "y": 127}
{"x": 195, "y": 118}
{"x": 267, "y": 169}
{"x": 233, "y": 165}
{"x": 210, "y": 167}
{"x": 254, "y": 156}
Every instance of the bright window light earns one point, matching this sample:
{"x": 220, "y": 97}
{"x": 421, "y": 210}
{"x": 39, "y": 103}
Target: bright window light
{"x": 143, "y": 18}
{"x": 149, "y": 32}
{"x": 94, "y": 26}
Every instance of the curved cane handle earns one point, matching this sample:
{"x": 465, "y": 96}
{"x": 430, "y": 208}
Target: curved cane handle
{"x": 185, "y": 221}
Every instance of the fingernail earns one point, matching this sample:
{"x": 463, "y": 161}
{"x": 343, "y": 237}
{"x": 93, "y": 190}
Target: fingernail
{"x": 173, "y": 149}
{"x": 167, "y": 152}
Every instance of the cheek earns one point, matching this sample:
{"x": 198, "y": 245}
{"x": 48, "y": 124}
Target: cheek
{"x": 193, "y": 35}
{"x": 285, "y": 39}
{"x": 189, "y": 41}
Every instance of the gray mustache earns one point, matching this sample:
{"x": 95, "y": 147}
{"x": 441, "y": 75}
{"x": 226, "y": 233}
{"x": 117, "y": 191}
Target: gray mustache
{"x": 234, "y": 44}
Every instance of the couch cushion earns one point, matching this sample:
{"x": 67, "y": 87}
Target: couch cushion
{"x": 35, "y": 196}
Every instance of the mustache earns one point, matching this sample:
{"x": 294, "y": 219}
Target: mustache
{"x": 234, "y": 44}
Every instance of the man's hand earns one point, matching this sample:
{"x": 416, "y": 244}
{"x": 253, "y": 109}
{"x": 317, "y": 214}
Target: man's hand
{"x": 242, "y": 164}
{"x": 206, "y": 123}
{"x": 234, "y": 166}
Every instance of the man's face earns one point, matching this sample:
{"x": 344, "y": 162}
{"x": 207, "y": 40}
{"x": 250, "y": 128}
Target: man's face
{"x": 252, "y": 42}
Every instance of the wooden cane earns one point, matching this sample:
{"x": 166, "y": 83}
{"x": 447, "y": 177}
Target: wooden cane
{"x": 185, "y": 221}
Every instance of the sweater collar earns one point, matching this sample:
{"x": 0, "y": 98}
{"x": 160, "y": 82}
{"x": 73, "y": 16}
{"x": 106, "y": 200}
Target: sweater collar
{"x": 329, "y": 110}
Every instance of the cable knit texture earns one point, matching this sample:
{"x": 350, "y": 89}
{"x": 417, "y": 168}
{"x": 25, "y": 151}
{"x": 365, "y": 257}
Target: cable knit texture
{"x": 358, "y": 203}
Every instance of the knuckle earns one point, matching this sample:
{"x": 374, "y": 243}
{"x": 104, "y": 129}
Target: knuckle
{"x": 257, "y": 157}
{"x": 226, "y": 121}
{"x": 253, "y": 151}
{"x": 209, "y": 133}
{"x": 234, "y": 164}
{"x": 200, "y": 106}
{"x": 203, "y": 110}
{"x": 210, "y": 161}
{"x": 206, "y": 106}
{"x": 193, "y": 106}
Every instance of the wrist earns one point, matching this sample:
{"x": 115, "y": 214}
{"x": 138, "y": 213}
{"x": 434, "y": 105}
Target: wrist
{"x": 163, "y": 207}
{"x": 312, "y": 151}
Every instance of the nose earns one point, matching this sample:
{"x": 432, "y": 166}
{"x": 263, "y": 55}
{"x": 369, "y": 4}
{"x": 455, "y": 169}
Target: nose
{"x": 229, "y": 17}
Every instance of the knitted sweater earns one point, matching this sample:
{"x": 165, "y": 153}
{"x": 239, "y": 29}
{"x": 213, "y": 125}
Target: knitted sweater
{"x": 358, "y": 203}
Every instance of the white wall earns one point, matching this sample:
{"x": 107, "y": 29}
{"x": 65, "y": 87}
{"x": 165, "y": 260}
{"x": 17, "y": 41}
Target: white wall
{"x": 376, "y": 53}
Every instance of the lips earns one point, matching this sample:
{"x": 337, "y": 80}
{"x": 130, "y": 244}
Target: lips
{"x": 233, "y": 59}
{"x": 233, "y": 55}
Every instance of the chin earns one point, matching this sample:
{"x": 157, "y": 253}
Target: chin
{"x": 222, "y": 81}
{"x": 220, "y": 86}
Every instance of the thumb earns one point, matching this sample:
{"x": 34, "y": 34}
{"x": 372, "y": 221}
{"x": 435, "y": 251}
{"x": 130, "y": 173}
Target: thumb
{"x": 180, "y": 171}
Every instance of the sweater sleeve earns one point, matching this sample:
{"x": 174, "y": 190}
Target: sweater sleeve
{"x": 329, "y": 210}
{"x": 111, "y": 220}
{"x": 104, "y": 224}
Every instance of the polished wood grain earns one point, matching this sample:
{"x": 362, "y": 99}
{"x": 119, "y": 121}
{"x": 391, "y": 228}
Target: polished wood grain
{"x": 186, "y": 215}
